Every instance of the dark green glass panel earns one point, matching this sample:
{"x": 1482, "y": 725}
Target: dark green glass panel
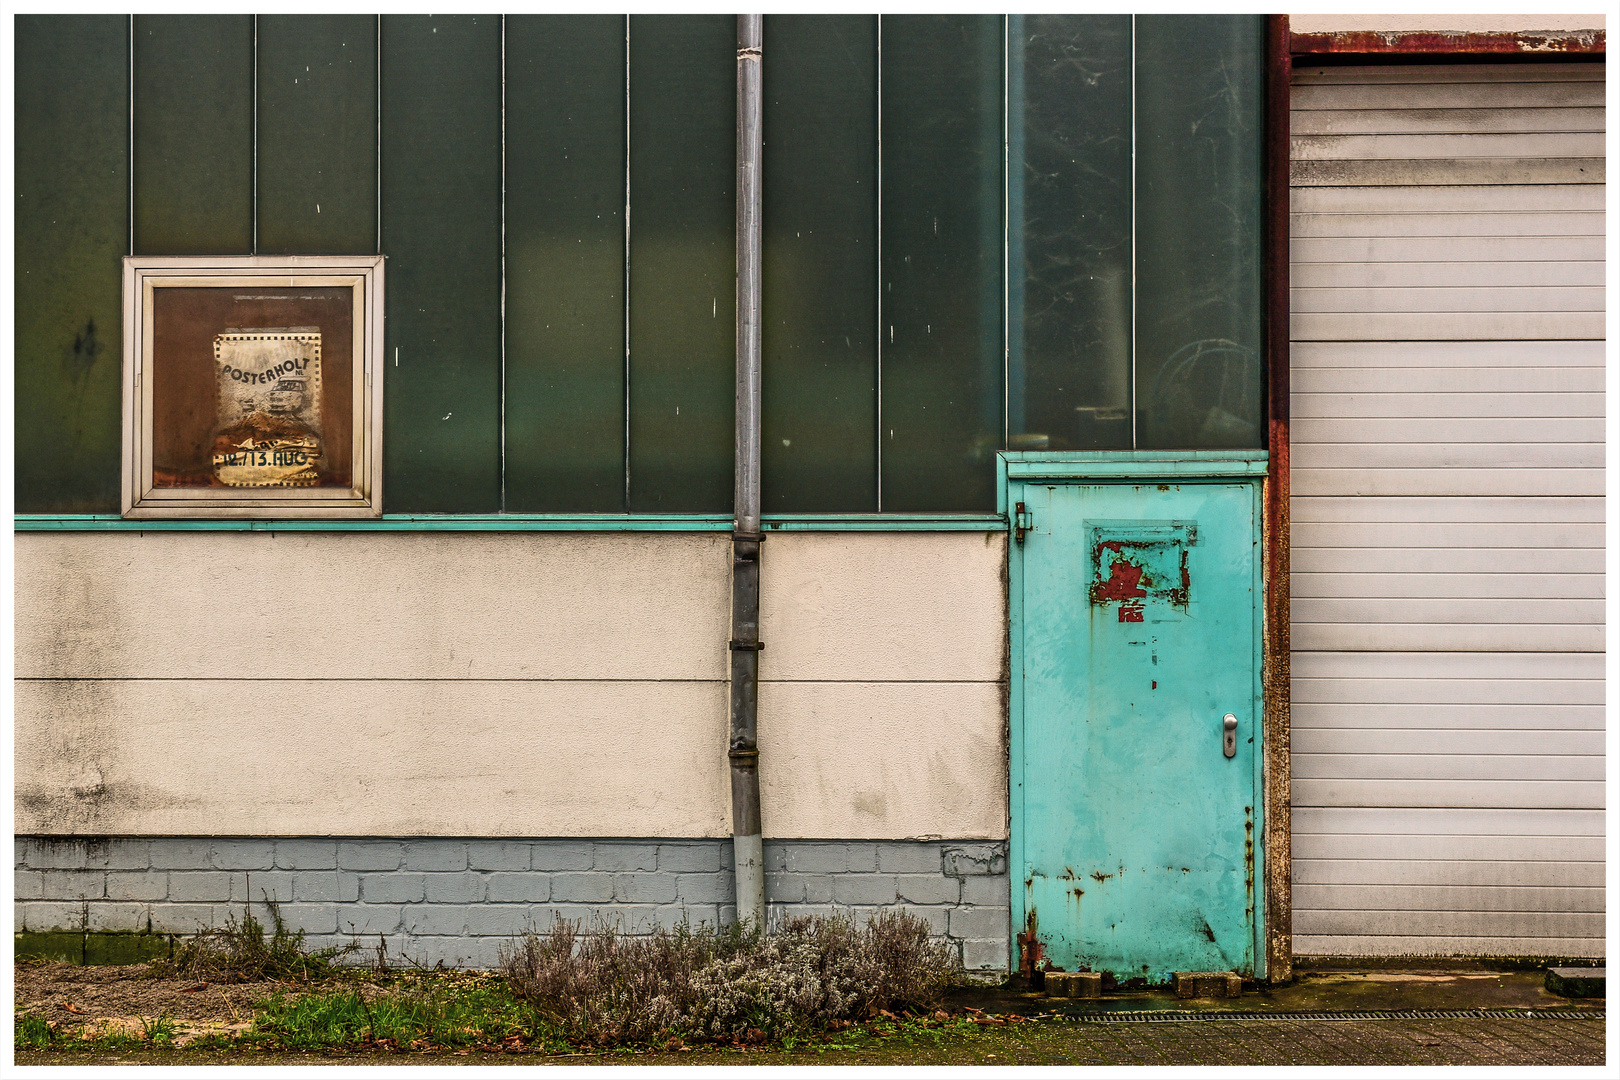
{"x": 683, "y": 268}
{"x": 565, "y": 263}
{"x": 72, "y": 228}
{"x": 1199, "y": 83}
{"x": 441, "y": 223}
{"x": 820, "y": 264}
{"x": 1069, "y": 232}
{"x": 193, "y": 134}
{"x": 941, "y": 326}
{"x": 318, "y": 134}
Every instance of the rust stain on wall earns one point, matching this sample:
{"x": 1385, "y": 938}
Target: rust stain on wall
{"x": 1378, "y": 41}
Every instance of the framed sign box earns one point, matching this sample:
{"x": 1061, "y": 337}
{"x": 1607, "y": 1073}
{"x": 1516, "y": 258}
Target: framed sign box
{"x": 253, "y": 387}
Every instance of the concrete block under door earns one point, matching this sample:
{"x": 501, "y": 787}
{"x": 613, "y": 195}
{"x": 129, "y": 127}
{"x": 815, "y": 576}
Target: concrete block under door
{"x": 1207, "y": 984}
{"x": 1074, "y": 984}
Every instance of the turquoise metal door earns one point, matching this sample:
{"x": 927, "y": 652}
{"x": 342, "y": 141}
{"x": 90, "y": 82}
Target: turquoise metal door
{"x": 1137, "y": 710}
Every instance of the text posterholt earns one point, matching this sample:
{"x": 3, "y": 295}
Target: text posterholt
{"x": 269, "y": 407}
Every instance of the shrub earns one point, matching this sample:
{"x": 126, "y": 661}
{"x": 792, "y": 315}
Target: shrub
{"x": 240, "y": 952}
{"x": 734, "y": 985}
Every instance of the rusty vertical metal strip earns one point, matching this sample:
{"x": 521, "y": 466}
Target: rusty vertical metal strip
{"x": 1278, "y": 823}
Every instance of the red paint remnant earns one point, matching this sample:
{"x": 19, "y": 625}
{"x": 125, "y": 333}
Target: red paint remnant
{"x": 1130, "y": 611}
{"x": 1124, "y": 582}
{"x": 1155, "y": 684}
{"x": 1375, "y": 41}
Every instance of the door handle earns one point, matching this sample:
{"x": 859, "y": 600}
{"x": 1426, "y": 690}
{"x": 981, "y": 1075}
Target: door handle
{"x": 1229, "y": 743}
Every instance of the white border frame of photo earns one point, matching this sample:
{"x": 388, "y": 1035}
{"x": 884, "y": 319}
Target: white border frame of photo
{"x": 143, "y": 276}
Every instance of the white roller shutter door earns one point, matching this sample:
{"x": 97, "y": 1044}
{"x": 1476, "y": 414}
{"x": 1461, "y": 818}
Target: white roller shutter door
{"x": 1447, "y": 449}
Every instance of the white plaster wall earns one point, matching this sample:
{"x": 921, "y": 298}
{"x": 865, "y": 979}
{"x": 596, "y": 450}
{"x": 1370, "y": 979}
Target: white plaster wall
{"x": 1489, "y": 23}
{"x": 511, "y": 684}
{"x": 882, "y": 685}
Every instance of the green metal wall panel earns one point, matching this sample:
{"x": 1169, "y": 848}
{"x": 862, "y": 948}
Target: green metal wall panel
{"x": 683, "y": 274}
{"x": 72, "y": 227}
{"x": 441, "y": 222}
{"x": 819, "y": 448}
{"x": 1069, "y": 232}
{"x": 193, "y": 134}
{"x": 941, "y": 327}
{"x": 317, "y": 153}
{"x": 1200, "y": 82}
{"x": 927, "y": 314}
{"x": 565, "y": 161}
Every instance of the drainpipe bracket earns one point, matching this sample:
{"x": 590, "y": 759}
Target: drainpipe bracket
{"x": 746, "y": 646}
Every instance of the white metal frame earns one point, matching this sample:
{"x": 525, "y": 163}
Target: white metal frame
{"x": 143, "y": 276}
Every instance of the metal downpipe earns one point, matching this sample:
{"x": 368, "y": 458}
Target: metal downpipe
{"x": 746, "y": 834}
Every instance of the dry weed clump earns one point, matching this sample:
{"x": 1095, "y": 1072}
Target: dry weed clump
{"x": 734, "y": 985}
{"x": 240, "y": 952}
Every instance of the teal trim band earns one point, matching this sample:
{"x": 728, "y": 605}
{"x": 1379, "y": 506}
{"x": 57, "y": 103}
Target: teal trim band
{"x": 885, "y": 523}
{"x": 1125, "y": 466}
{"x": 528, "y": 523}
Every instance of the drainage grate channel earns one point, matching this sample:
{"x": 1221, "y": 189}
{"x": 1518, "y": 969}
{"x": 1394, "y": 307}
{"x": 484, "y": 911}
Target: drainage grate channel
{"x": 1175, "y": 1017}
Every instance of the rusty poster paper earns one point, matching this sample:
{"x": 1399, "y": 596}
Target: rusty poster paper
{"x": 269, "y": 407}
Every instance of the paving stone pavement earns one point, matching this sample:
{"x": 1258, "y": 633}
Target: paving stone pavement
{"x": 1539, "y": 1041}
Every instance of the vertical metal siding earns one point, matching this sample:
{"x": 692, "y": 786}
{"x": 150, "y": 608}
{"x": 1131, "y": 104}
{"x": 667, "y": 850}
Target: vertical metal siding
{"x": 1447, "y": 325}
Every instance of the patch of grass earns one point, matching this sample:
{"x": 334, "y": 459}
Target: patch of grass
{"x": 32, "y": 1033}
{"x": 36, "y": 1033}
{"x": 241, "y": 952}
{"x": 443, "y": 1015}
{"x": 734, "y": 986}
{"x": 157, "y": 1030}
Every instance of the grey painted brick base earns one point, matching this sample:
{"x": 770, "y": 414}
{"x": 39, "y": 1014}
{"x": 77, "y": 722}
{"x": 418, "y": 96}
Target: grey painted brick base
{"x": 459, "y": 900}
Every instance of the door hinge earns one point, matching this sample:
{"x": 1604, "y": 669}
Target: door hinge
{"x": 1022, "y": 522}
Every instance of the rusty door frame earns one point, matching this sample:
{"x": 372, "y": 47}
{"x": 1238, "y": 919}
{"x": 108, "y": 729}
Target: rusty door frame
{"x": 1134, "y": 466}
{"x": 1276, "y": 645}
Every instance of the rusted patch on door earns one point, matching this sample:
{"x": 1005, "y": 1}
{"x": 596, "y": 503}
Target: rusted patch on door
{"x": 1133, "y": 562}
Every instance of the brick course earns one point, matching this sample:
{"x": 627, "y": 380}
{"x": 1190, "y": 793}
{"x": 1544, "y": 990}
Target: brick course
{"x": 460, "y": 900}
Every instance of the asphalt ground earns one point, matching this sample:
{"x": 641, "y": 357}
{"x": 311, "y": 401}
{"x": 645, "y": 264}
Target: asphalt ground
{"x": 1543, "y": 1040}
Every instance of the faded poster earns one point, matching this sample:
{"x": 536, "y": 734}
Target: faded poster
{"x": 269, "y": 411}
